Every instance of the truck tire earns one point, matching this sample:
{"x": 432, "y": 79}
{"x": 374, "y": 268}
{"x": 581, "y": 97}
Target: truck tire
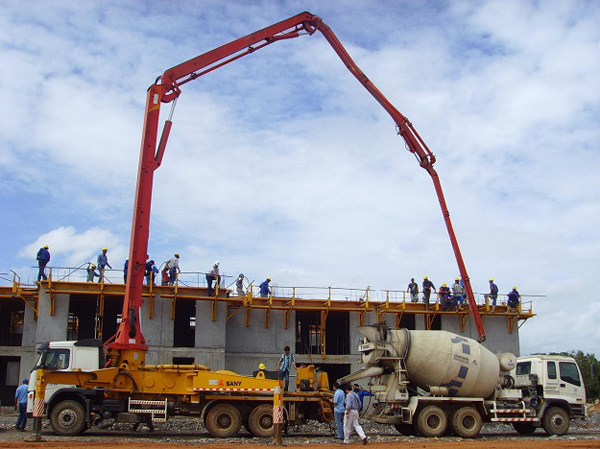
{"x": 406, "y": 429}
{"x": 467, "y": 422}
{"x": 556, "y": 421}
{"x": 260, "y": 422}
{"x": 432, "y": 421}
{"x": 524, "y": 428}
{"x": 68, "y": 418}
{"x": 223, "y": 421}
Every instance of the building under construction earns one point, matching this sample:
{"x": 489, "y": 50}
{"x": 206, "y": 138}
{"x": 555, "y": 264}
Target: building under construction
{"x": 183, "y": 325}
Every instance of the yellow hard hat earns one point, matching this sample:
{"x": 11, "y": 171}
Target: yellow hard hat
{"x": 444, "y": 285}
{"x": 268, "y": 279}
{"x": 491, "y": 280}
{"x": 46, "y": 246}
{"x": 457, "y": 279}
{"x": 424, "y": 277}
{"x": 262, "y": 366}
{"x": 105, "y": 249}
{"x": 515, "y": 287}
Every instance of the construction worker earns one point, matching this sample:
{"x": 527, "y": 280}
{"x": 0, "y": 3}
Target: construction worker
{"x": 239, "y": 285}
{"x": 261, "y": 373}
{"x": 427, "y": 286}
{"x": 103, "y": 263}
{"x": 91, "y": 272}
{"x": 284, "y": 366}
{"x": 43, "y": 257}
{"x": 444, "y": 295}
{"x": 493, "y": 295}
{"x": 211, "y": 276}
{"x": 458, "y": 293}
{"x": 265, "y": 291}
{"x": 174, "y": 269}
{"x": 513, "y": 300}
{"x": 413, "y": 289}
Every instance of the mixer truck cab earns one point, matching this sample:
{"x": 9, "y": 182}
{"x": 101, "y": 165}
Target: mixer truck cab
{"x": 84, "y": 355}
{"x": 559, "y": 381}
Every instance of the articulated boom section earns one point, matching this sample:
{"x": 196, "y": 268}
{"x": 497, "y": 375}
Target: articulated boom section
{"x": 129, "y": 336}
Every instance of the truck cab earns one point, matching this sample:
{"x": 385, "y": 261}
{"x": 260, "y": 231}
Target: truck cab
{"x": 559, "y": 381}
{"x": 86, "y": 355}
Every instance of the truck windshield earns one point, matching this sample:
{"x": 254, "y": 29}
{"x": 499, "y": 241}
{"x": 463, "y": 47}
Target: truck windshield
{"x": 54, "y": 359}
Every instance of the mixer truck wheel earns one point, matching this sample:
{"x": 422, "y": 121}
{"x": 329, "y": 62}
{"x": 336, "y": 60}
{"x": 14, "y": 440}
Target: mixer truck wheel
{"x": 432, "y": 421}
{"x": 260, "y": 422}
{"x": 223, "y": 421}
{"x": 467, "y": 422}
{"x": 556, "y": 421}
{"x": 406, "y": 429}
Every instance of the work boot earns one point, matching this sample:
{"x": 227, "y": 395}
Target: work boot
{"x": 365, "y": 441}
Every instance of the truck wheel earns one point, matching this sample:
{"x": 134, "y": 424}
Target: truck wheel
{"x": 406, "y": 429}
{"x": 68, "y": 418}
{"x": 223, "y": 421}
{"x": 467, "y": 422}
{"x": 524, "y": 428}
{"x": 260, "y": 422}
{"x": 556, "y": 421}
{"x": 432, "y": 421}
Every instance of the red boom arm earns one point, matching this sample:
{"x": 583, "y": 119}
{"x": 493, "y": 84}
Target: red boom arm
{"x": 129, "y": 336}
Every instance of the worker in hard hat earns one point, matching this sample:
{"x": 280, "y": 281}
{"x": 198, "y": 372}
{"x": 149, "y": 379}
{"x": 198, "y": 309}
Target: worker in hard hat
{"x": 413, "y": 290}
{"x": 493, "y": 295}
{"x": 174, "y": 268}
{"x": 444, "y": 295}
{"x": 458, "y": 294}
{"x": 427, "y": 286}
{"x": 212, "y": 275}
{"x": 513, "y": 300}
{"x": 43, "y": 257}
{"x": 239, "y": 285}
{"x": 265, "y": 291}
{"x": 91, "y": 272}
{"x": 103, "y": 263}
{"x": 261, "y": 373}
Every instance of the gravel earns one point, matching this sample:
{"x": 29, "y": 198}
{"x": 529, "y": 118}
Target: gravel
{"x": 189, "y": 429}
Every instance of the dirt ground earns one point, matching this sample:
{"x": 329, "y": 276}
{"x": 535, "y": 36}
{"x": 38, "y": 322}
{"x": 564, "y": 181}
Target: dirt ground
{"x": 541, "y": 443}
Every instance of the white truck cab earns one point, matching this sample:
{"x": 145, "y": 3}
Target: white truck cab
{"x": 86, "y": 355}
{"x": 559, "y": 380}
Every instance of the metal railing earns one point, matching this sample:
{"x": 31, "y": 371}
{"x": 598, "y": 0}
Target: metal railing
{"x": 197, "y": 279}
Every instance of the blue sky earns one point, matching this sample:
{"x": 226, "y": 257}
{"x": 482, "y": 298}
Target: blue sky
{"x": 282, "y": 165}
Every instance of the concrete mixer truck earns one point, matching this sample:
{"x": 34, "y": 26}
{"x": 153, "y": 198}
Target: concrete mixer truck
{"x": 436, "y": 382}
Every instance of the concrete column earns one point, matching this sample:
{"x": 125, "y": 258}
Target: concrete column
{"x": 29, "y": 327}
{"x": 52, "y": 327}
{"x": 211, "y": 336}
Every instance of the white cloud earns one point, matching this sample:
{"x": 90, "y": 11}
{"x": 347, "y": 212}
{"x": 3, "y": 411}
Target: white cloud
{"x": 281, "y": 164}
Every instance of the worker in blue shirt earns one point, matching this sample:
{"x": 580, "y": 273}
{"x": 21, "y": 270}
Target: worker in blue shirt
{"x": 339, "y": 403}
{"x": 493, "y": 295}
{"x": 21, "y": 404}
{"x": 43, "y": 257}
{"x": 265, "y": 291}
{"x": 361, "y": 394}
{"x": 513, "y": 300}
{"x": 103, "y": 263}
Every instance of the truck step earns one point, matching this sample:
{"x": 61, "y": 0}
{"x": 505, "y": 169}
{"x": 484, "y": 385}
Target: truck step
{"x": 149, "y": 407}
{"x": 508, "y": 410}
{"x": 513, "y": 419}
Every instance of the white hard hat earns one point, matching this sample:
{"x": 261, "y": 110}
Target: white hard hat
{"x": 217, "y": 263}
